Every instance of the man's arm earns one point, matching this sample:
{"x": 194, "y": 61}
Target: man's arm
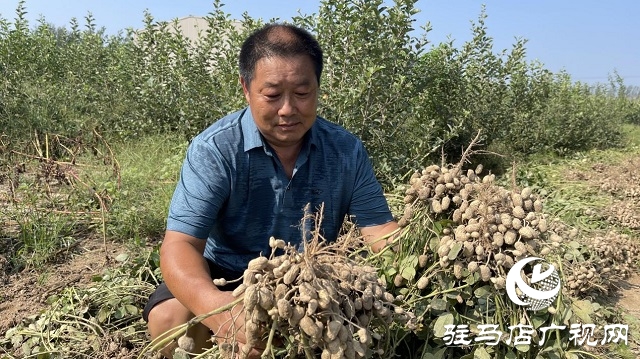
{"x": 186, "y": 273}
{"x": 379, "y": 236}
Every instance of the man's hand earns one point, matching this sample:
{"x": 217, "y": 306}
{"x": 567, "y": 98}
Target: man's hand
{"x": 186, "y": 273}
{"x": 379, "y": 236}
{"x": 228, "y": 327}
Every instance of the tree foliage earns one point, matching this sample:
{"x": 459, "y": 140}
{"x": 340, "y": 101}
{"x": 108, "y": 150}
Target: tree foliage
{"x": 409, "y": 101}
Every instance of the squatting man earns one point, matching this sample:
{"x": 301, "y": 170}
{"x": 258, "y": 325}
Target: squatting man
{"x": 249, "y": 176}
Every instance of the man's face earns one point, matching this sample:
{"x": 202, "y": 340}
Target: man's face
{"x": 283, "y": 97}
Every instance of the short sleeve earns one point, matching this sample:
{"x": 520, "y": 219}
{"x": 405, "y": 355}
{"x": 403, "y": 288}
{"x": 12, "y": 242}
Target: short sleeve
{"x": 368, "y": 205}
{"x": 201, "y": 192}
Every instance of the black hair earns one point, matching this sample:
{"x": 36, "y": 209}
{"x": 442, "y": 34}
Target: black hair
{"x": 282, "y": 40}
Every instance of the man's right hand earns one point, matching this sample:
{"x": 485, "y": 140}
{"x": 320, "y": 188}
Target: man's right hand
{"x": 186, "y": 273}
{"x": 228, "y": 327}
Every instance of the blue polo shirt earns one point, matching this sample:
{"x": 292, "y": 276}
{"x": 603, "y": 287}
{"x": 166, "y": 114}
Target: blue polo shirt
{"x": 234, "y": 193}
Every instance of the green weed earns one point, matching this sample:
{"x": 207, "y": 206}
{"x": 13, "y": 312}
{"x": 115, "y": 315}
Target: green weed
{"x": 150, "y": 170}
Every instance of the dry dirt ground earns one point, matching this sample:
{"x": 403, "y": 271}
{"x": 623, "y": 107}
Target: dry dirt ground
{"x": 629, "y": 296}
{"x": 24, "y": 294}
{"x": 628, "y": 300}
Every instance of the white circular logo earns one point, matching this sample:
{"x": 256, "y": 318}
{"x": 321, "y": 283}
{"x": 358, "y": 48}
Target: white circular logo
{"x": 545, "y": 285}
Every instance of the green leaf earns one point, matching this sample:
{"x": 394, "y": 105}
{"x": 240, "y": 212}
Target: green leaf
{"x": 131, "y": 309}
{"x": 181, "y": 355}
{"x": 566, "y": 318}
{"x": 429, "y": 353}
{"x": 119, "y": 313}
{"x": 122, "y": 257}
{"x": 16, "y": 340}
{"x": 408, "y": 273}
{"x": 26, "y": 348}
{"x": 538, "y": 321}
{"x": 455, "y": 250}
{"x": 575, "y": 244}
{"x": 439, "y": 325}
{"x": 481, "y": 353}
{"x": 434, "y": 244}
{"x": 471, "y": 279}
{"x": 52, "y": 298}
{"x": 103, "y": 315}
{"x": 583, "y": 309}
{"x": 437, "y": 227}
{"x": 440, "y": 353}
{"x": 549, "y": 353}
{"x": 408, "y": 267}
{"x": 388, "y": 257}
{"x": 409, "y": 261}
{"x": 439, "y": 304}
{"x": 483, "y": 292}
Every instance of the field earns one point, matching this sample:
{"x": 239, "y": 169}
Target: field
{"x": 99, "y": 285}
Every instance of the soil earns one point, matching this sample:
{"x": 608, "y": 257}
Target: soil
{"x": 620, "y": 180}
{"x": 627, "y": 300}
{"x": 25, "y": 293}
{"x": 629, "y": 296}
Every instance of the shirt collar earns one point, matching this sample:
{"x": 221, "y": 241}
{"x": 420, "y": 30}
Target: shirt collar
{"x": 253, "y": 138}
{"x": 312, "y": 136}
{"x": 250, "y": 132}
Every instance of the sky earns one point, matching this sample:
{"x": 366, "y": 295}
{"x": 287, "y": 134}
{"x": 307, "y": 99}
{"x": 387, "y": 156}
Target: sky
{"x": 589, "y": 39}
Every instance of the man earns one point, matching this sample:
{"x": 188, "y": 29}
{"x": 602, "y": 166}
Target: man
{"x": 250, "y": 175}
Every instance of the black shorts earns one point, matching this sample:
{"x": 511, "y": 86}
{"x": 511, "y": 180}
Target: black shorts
{"x": 162, "y": 292}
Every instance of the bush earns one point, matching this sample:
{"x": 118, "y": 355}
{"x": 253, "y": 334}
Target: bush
{"x": 408, "y": 103}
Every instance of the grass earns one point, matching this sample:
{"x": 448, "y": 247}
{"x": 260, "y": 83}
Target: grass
{"x": 149, "y": 172}
{"x": 119, "y": 192}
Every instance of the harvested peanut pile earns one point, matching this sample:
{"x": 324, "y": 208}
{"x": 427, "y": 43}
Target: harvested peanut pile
{"x": 624, "y": 212}
{"x": 609, "y": 178}
{"x": 622, "y": 185}
{"x": 319, "y": 300}
{"x": 609, "y": 259}
{"x": 490, "y": 227}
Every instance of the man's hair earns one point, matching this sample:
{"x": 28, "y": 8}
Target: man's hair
{"x": 278, "y": 40}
